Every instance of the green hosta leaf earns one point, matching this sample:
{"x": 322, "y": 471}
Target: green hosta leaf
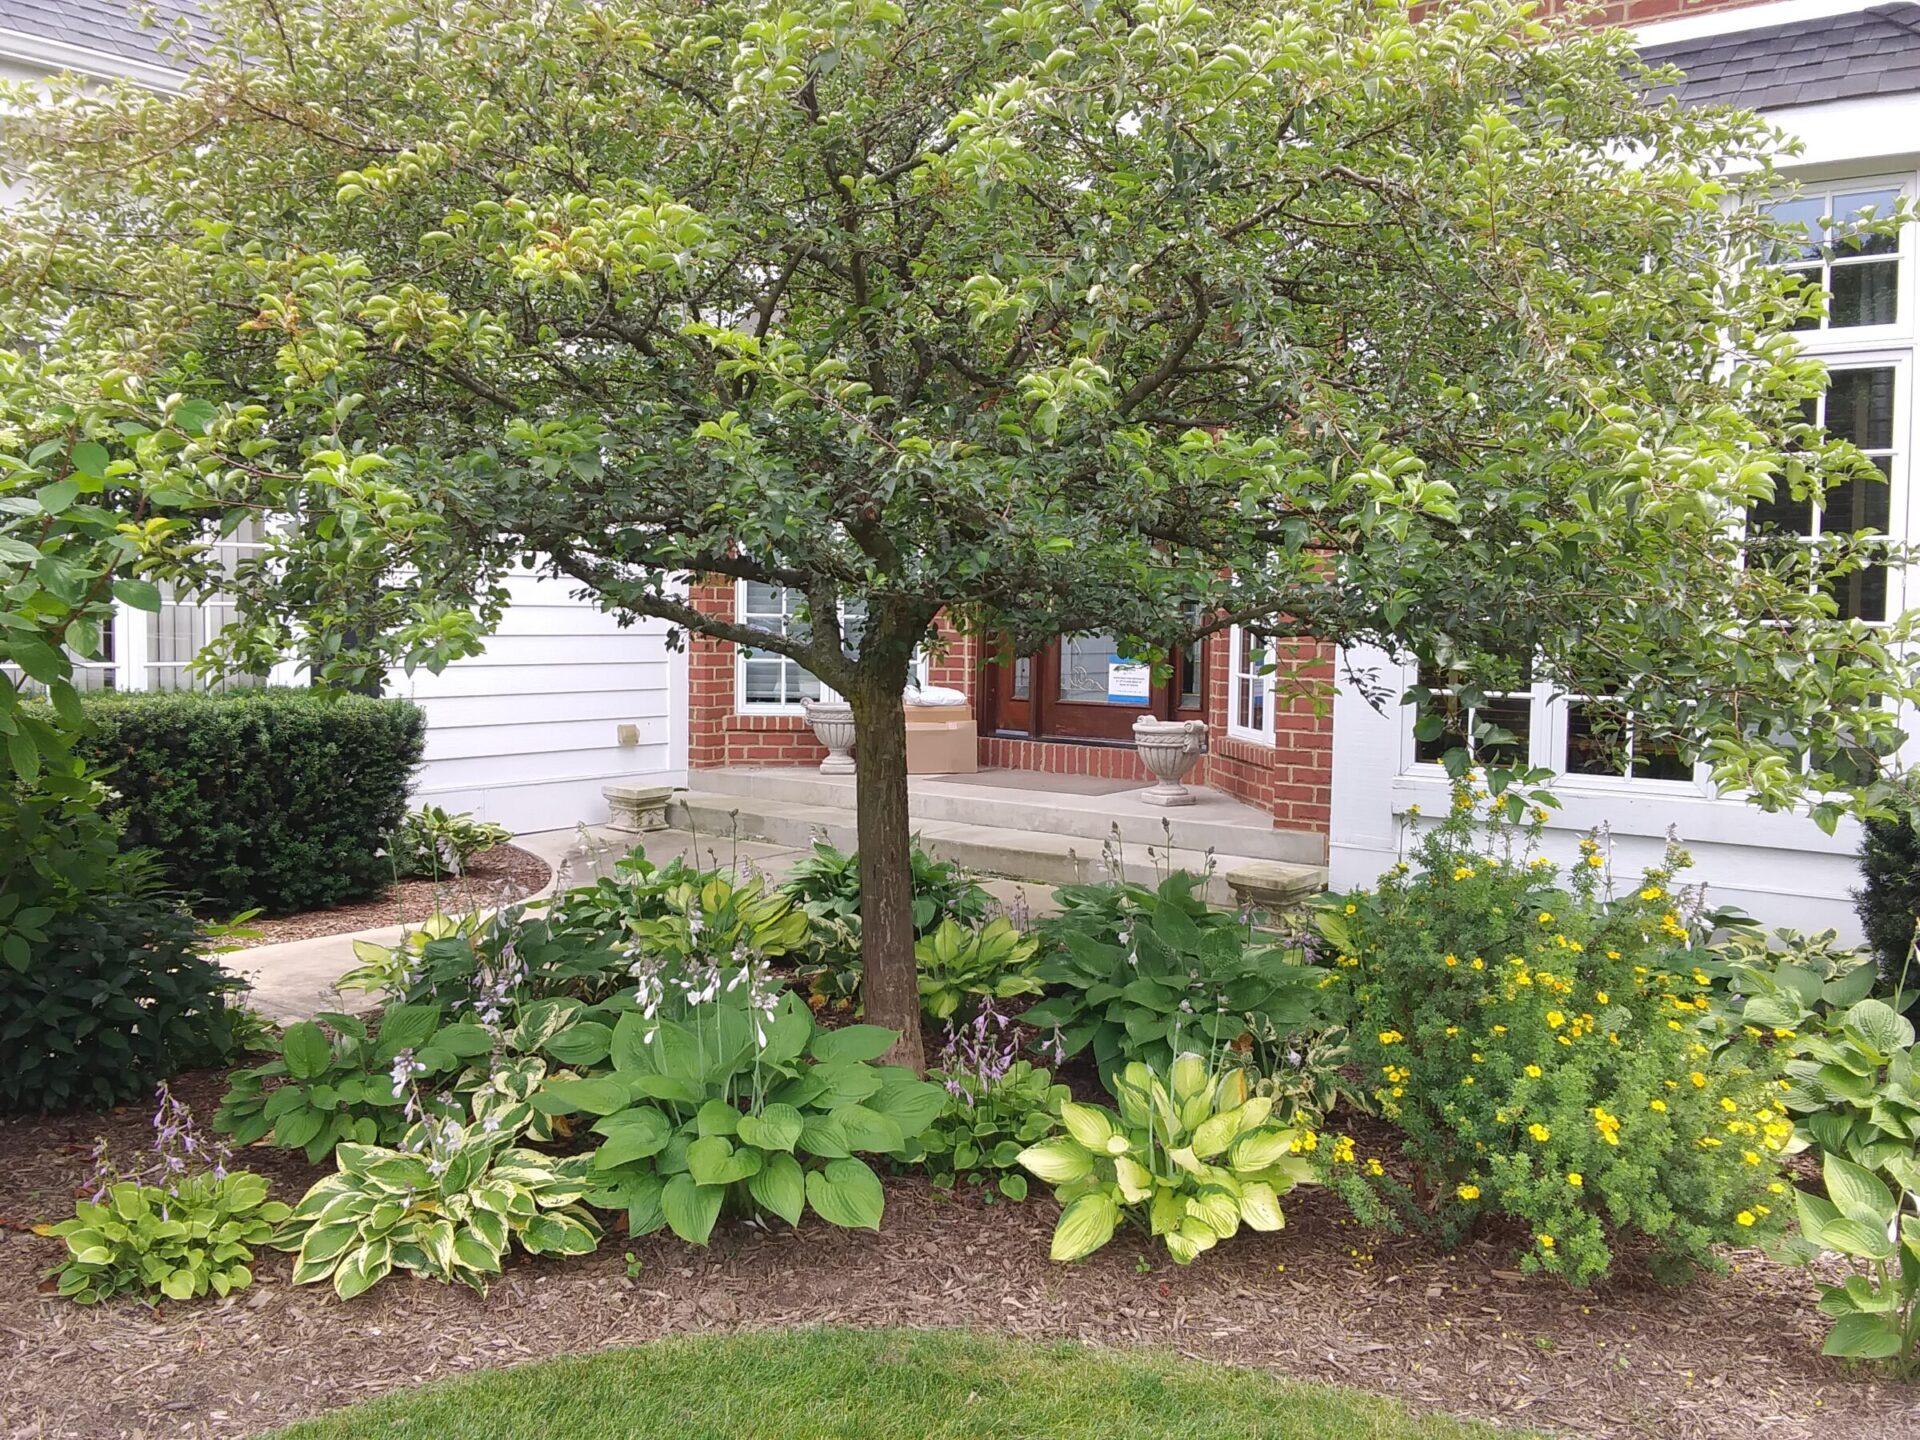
{"x": 1857, "y": 1192}
{"x": 848, "y": 1194}
{"x": 868, "y": 1129}
{"x": 1259, "y": 1149}
{"x": 585, "y": 1044}
{"x": 780, "y": 1187}
{"x": 822, "y": 1136}
{"x": 1880, "y": 1026}
{"x": 632, "y": 1134}
{"x": 712, "y": 1160}
{"x": 1013, "y": 1186}
{"x": 853, "y": 1042}
{"x": 602, "y": 1095}
{"x": 1085, "y": 1225}
{"x": 406, "y": 1027}
{"x": 307, "y": 1052}
{"x": 691, "y": 1208}
{"x": 556, "y": 1232}
{"x": 1863, "y": 1337}
{"x": 716, "y": 1117}
{"x": 776, "y": 1127}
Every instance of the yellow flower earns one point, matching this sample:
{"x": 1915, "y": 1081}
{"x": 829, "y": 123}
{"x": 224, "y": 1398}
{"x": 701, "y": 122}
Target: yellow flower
{"x": 1699, "y": 1080}
{"x": 1533, "y": 1072}
{"x": 1499, "y": 1029}
{"x": 1776, "y": 1188}
{"x": 1374, "y": 1167}
{"x": 1607, "y": 1125}
{"x": 1546, "y": 1241}
{"x": 1466, "y": 1079}
{"x": 1463, "y": 872}
{"x": 1539, "y": 1132}
{"x": 1468, "y": 1192}
{"x": 1727, "y": 1104}
{"x": 1545, "y": 917}
{"x": 1451, "y": 961}
{"x": 1657, "y": 1105}
{"x": 1478, "y": 963}
{"x": 1353, "y": 909}
{"x": 1391, "y": 1037}
{"x": 1575, "y": 1179}
{"x": 1556, "y": 1019}
{"x": 1752, "y": 1157}
{"x": 1452, "y": 1030}
{"x": 1652, "y": 892}
{"x": 1600, "y": 996}
{"x": 1745, "y": 1217}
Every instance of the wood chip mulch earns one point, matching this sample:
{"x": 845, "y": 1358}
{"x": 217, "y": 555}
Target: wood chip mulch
{"x": 494, "y": 877}
{"x": 1731, "y": 1356}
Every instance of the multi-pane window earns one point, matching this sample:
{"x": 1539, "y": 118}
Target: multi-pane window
{"x": 767, "y": 681}
{"x": 1859, "y": 405}
{"x": 1249, "y": 685}
{"x": 1859, "y": 272}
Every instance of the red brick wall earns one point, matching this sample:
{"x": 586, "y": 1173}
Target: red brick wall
{"x": 1641, "y": 12}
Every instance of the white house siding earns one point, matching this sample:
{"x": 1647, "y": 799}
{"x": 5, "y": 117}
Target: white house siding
{"x": 1778, "y": 868}
{"x": 527, "y": 733}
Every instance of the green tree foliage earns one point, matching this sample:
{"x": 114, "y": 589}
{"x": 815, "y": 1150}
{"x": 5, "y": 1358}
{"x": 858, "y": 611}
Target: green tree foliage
{"x": 1141, "y": 318}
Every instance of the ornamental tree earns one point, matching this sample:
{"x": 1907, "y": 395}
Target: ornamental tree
{"x": 1443, "y": 334}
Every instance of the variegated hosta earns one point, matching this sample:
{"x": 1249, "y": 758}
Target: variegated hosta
{"x": 1199, "y": 1158}
{"x": 446, "y": 1205}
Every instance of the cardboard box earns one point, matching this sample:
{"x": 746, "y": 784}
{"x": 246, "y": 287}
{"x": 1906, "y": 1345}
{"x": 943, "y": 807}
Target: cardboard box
{"x": 942, "y": 740}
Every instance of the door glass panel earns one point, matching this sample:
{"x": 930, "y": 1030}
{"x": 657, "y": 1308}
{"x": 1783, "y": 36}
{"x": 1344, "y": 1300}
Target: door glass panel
{"x": 1083, "y": 668}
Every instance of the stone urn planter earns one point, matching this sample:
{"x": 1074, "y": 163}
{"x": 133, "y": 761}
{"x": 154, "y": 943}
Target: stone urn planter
{"x": 832, "y": 725}
{"x": 1169, "y": 749}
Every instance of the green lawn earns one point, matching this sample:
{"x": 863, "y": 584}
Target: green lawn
{"x": 876, "y": 1385}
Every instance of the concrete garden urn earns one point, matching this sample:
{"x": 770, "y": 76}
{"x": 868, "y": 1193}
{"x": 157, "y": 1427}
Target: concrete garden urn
{"x": 832, "y": 723}
{"x": 1169, "y": 748}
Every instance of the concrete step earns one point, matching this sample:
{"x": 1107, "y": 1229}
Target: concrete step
{"x": 1216, "y": 822}
{"x": 1037, "y": 857}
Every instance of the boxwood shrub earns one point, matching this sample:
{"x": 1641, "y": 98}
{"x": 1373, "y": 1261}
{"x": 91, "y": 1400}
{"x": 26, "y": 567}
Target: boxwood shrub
{"x": 1888, "y": 903}
{"x": 278, "y": 799}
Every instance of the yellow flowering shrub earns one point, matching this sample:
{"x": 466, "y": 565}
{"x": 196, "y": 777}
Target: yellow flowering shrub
{"x": 1576, "y": 1083}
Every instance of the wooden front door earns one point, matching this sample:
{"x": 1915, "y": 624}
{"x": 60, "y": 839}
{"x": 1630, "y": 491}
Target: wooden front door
{"x": 1078, "y": 688}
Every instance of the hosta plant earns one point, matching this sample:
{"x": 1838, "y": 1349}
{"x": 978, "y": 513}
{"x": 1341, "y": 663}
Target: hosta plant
{"x": 432, "y": 843}
{"x": 187, "y": 1240}
{"x": 959, "y": 966}
{"x": 742, "y": 1105}
{"x": 1151, "y": 978}
{"x": 179, "y": 1224}
{"x": 335, "y": 1080}
{"x": 997, "y": 1105}
{"x": 447, "y": 1202}
{"x": 1854, "y": 1085}
{"x": 1876, "y": 1310}
{"x": 1793, "y": 981}
{"x": 1194, "y": 1155}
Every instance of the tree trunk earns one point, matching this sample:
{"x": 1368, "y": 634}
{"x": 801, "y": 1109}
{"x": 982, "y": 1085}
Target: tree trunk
{"x": 892, "y": 983}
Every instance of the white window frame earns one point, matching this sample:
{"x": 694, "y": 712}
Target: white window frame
{"x": 743, "y": 706}
{"x": 1901, "y": 330}
{"x": 1241, "y": 675}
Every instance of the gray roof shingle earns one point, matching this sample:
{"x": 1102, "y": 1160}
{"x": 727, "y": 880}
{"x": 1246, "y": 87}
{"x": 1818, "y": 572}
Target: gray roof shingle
{"x": 1837, "y": 57}
{"x": 112, "y": 26}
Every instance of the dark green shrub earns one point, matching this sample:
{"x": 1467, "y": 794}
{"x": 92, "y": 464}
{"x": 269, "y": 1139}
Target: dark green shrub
{"x": 113, "y": 999}
{"x": 282, "y": 800}
{"x": 1889, "y": 902}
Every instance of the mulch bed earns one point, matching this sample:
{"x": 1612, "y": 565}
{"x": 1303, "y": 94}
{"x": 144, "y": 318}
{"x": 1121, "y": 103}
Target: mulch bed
{"x": 1732, "y": 1356}
{"x": 494, "y": 877}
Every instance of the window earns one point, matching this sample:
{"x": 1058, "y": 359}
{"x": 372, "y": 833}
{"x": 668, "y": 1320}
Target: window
{"x": 1604, "y": 740}
{"x": 1859, "y": 406}
{"x": 768, "y": 682}
{"x": 1860, "y": 274}
{"x": 1250, "y": 686}
{"x": 1503, "y": 718}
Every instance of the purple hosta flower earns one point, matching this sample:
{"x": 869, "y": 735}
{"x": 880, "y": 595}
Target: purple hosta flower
{"x": 696, "y": 922}
{"x": 1056, "y": 1047}
{"x": 178, "y": 1146}
{"x": 104, "y": 1174}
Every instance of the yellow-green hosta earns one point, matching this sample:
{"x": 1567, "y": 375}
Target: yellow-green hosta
{"x": 1199, "y": 1155}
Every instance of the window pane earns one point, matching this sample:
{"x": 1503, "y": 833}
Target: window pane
{"x": 1083, "y": 668}
{"x": 1860, "y": 407}
{"x": 801, "y": 684}
{"x": 1596, "y": 744}
{"x": 764, "y": 600}
{"x": 1860, "y": 504}
{"x": 1853, "y": 206}
{"x": 1022, "y": 676}
{"x": 1806, "y": 215}
{"x": 763, "y": 677}
{"x": 1510, "y": 713}
{"x": 1782, "y": 515}
{"x": 1658, "y": 760}
{"x": 1451, "y": 738}
{"x": 1865, "y": 294}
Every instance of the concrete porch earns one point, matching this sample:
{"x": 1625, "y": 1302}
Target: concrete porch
{"x": 1023, "y": 825}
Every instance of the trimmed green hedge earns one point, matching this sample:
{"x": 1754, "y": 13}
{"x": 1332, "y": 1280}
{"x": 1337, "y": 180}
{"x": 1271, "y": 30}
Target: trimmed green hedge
{"x": 280, "y": 799}
{"x": 1889, "y": 902}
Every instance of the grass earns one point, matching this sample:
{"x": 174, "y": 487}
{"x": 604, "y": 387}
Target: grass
{"x": 876, "y": 1385}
